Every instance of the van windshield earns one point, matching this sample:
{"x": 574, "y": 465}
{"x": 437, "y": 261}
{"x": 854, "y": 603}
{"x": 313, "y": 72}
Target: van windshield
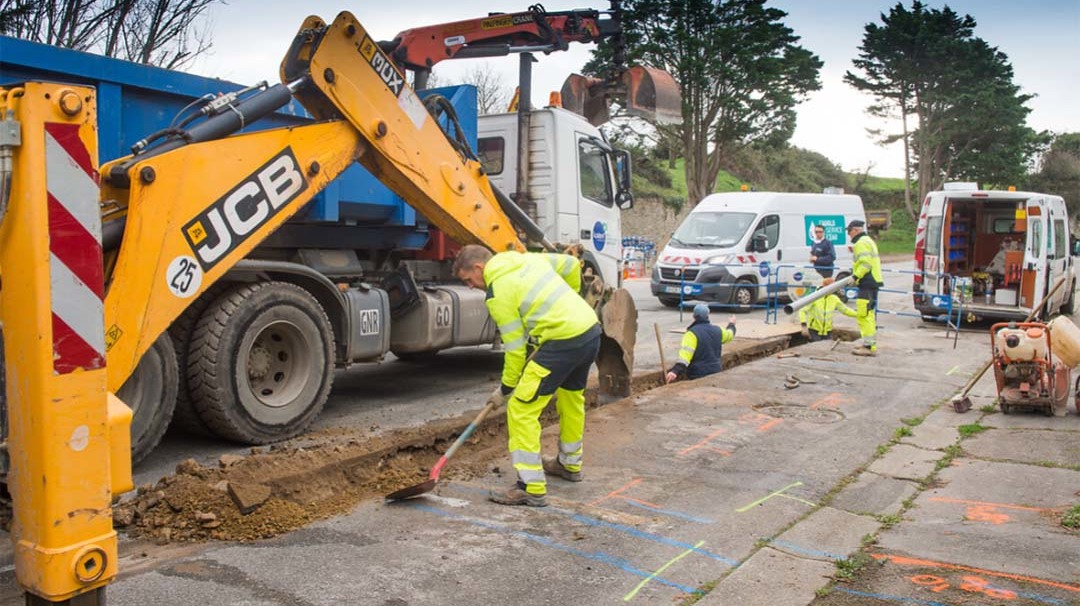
{"x": 712, "y": 229}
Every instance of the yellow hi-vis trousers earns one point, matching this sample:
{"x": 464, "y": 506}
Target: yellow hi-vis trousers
{"x": 559, "y": 368}
{"x": 866, "y": 318}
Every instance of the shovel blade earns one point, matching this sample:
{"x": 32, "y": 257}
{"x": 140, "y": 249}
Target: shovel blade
{"x": 412, "y": 491}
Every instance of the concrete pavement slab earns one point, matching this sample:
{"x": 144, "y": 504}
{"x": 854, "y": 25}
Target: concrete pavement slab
{"x": 1030, "y": 420}
{"x": 1029, "y": 446}
{"x": 170, "y": 588}
{"x": 771, "y": 578}
{"x": 827, "y": 534}
{"x": 874, "y": 494}
{"x": 906, "y": 462}
{"x": 932, "y": 437}
{"x": 997, "y": 516}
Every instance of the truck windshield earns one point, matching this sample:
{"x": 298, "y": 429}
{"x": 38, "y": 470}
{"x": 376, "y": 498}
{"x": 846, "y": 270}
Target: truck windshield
{"x": 712, "y": 229}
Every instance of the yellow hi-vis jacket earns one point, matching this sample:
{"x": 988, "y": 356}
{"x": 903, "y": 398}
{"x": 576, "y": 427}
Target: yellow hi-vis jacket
{"x": 867, "y": 260}
{"x": 818, "y": 315}
{"x": 533, "y": 296}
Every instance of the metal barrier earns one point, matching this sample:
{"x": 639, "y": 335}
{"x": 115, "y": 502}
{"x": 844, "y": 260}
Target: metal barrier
{"x": 951, "y": 304}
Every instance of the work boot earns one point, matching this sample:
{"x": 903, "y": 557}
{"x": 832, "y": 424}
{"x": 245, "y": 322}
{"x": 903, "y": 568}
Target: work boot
{"x": 864, "y": 351}
{"x": 517, "y": 495}
{"x": 553, "y": 467}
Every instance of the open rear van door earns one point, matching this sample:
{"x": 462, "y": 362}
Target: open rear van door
{"x": 1033, "y": 280}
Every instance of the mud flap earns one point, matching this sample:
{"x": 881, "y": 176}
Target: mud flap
{"x": 616, "y": 359}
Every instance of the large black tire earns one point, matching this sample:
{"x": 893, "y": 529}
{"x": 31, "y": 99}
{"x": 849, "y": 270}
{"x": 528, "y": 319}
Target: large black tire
{"x": 669, "y": 301}
{"x": 260, "y": 362}
{"x": 744, "y": 295}
{"x": 185, "y": 417}
{"x": 150, "y": 392}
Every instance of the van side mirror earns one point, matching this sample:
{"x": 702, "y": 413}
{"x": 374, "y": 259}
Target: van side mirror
{"x": 1076, "y": 248}
{"x": 759, "y": 243}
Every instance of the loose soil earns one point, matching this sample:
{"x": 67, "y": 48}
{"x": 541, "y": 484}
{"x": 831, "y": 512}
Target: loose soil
{"x": 327, "y": 473}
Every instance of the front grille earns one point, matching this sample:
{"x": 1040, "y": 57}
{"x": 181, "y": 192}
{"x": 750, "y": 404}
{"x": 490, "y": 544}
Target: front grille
{"x": 673, "y": 273}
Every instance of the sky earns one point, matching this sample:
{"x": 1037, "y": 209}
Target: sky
{"x": 1040, "y": 37}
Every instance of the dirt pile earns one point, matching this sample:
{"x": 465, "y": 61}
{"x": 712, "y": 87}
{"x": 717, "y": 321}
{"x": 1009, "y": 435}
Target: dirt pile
{"x": 290, "y": 486}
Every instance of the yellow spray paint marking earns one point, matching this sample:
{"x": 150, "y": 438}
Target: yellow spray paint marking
{"x": 952, "y": 370}
{"x": 766, "y": 498}
{"x": 652, "y": 576}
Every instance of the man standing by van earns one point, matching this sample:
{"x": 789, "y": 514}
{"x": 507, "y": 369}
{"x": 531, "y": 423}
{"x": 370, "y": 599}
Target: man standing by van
{"x": 867, "y": 272}
{"x": 822, "y": 253}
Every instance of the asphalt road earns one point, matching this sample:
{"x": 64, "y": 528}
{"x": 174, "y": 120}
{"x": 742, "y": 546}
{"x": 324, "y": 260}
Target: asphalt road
{"x": 731, "y": 490}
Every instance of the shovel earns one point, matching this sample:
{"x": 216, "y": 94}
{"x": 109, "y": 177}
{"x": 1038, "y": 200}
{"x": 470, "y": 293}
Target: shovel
{"x": 433, "y": 478}
{"x": 961, "y": 402}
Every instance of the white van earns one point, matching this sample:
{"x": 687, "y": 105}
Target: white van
{"x": 1005, "y": 248}
{"x": 717, "y": 252}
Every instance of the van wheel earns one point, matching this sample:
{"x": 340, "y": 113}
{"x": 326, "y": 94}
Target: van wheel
{"x": 669, "y": 301}
{"x": 744, "y": 294}
{"x": 261, "y": 362}
{"x": 150, "y": 392}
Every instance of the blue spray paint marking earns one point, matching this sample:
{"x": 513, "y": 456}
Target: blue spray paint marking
{"x": 591, "y": 555}
{"x": 643, "y": 535}
{"x": 805, "y": 550}
{"x": 891, "y": 598}
{"x": 668, "y": 512}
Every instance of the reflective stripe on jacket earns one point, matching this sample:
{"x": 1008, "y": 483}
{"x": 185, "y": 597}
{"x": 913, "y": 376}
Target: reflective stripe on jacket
{"x": 700, "y": 351}
{"x": 818, "y": 315}
{"x": 567, "y": 266}
{"x": 528, "y": 299}
{"x": 867, "y": 262}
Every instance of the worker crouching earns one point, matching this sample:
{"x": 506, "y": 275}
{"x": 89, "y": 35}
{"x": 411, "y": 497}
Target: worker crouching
{"x": 816, "y": 318}
{"x": 700, "y": 351}
{"x": 534, "y": 297}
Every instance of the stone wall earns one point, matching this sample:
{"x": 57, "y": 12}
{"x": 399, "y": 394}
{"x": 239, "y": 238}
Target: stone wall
{"x": 651, "y": 219}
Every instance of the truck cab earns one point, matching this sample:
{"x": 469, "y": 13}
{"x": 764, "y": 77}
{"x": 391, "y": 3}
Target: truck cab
{"x": 575, "y": 195}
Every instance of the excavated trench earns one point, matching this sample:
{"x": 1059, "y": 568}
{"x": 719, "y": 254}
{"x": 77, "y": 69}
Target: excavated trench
{"x": 327, "y": 473}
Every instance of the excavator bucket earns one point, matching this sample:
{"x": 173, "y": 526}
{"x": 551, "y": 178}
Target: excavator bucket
{"x": 616, "y": 358}
{"x": 645, "y": 92}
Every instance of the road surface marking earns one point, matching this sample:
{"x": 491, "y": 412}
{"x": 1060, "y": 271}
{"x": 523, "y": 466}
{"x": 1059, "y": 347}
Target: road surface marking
{"x": 645, "y": 581}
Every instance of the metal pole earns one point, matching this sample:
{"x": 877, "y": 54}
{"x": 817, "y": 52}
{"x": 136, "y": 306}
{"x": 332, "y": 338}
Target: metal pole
{"x": 802, "y": 302}
{"x": 521, "y": 197}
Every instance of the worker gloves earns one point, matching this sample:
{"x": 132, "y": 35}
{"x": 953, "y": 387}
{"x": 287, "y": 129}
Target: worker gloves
{"x": 497, "y": 399}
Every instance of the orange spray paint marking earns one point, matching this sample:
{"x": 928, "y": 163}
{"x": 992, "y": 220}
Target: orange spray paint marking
{"x": 906, "y": 561}
{"x": 701, "y": 444}
{"x": 617, "y": 491}
{"x": 979, "y": 585}
{"x": 768, "y": 425}
{"x": 931, "y": 582}
{"x": 1001, "y": 505}
{"x": 983, "y": 511}
{"x": 832, "y": 400}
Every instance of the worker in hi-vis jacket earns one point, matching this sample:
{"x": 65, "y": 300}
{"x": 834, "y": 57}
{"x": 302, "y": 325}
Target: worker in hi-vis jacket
{"x": 867, "y": 272}
{"x": 699, "y": 353}
{"x": 533, "y": 297}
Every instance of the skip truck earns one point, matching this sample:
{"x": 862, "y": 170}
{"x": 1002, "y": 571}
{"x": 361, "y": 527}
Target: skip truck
{"x": 194, "y": 268}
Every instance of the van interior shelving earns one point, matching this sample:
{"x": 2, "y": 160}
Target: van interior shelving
{"x": 984, "y": 247}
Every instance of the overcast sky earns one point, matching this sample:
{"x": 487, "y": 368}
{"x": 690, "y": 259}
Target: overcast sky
{"x": 1040, "y": 37}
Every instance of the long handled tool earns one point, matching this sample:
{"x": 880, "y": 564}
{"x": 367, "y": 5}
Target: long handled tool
{"x": 663, "y": 361}
{"x": 433, "y": 478}
{"x": 961, "y": 402}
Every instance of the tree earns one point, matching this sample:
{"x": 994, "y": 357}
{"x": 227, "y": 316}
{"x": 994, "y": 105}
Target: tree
{"x": 740, "y": 70}
{"x": 492, "y": 94}
{"x": 166, "y": 33}
{"x": 1059, "y": 172}
{"x": 927, "y": 67}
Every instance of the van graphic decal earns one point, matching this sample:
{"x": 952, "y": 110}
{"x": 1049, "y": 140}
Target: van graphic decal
{"x": 834, "y": 228}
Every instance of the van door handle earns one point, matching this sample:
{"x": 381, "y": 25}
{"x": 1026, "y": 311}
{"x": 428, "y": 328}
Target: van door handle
{"x": 586, "y": 234}
{"x": 779, "y": 255}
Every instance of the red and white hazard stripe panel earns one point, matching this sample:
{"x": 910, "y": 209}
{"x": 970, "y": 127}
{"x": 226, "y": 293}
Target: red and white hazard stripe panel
{"x": 78, "y": 288}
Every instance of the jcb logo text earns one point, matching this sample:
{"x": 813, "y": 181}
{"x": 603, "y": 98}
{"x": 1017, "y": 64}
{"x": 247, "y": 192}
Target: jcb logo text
{"x": 233, "y": 218}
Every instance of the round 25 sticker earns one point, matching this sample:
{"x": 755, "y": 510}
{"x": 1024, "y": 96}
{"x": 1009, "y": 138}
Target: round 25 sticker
{"x": 184, "y": 276}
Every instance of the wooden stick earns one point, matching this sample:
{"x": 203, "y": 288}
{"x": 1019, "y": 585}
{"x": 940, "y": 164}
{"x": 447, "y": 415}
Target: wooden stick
{"x": 660, "y": 344}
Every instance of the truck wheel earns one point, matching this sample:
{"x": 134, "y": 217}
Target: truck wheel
{"x": 669, "y": 301}
{"x": 744, "y": 294}
{"x": 261, "y": 362}
{"x": 185, "y": 417}
{"x": 150, "y": 392}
